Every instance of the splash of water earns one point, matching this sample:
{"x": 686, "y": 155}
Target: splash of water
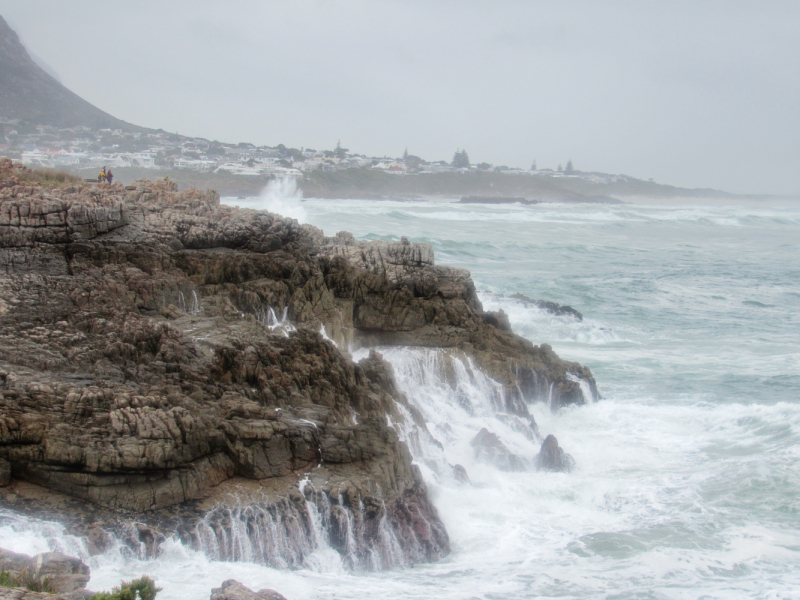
{"x": 282, "y": 196}
{"x": 270, "y": 319}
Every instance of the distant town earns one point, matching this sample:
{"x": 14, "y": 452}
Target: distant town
{"x": 85, "y": 149}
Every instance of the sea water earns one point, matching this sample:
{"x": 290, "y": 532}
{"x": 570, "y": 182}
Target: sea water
{"x": 687, "y": 482}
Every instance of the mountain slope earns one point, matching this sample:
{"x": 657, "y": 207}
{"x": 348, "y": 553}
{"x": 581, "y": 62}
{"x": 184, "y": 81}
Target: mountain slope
{"x": 29, "y": 94}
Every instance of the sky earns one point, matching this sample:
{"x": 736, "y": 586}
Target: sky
{"x": 695, "y": 94}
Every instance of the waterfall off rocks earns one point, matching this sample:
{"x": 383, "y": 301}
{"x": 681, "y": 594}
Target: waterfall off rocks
{"x": 163, "y": 376}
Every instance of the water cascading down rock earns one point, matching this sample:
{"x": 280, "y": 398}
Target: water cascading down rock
{"x": 146, "y": 391}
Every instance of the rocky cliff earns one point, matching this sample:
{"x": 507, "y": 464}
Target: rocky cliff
{"x": 169, "y": 365}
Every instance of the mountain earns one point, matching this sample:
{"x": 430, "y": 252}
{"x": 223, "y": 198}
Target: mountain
{"x": 30, "y": 95}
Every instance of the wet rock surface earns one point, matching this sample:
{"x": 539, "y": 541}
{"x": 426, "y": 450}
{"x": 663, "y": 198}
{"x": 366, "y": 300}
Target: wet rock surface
{"x": 148, "y": 377}
{"x": 489, "y": 448}
{"x": 552, "y": 457}
{"x": 560, "y": 310}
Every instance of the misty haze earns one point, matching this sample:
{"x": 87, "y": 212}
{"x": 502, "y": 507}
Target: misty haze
{"x": 331, "y": 300}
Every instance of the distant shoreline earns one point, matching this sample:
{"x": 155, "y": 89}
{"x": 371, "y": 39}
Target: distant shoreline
{"x": 368, "y": 184}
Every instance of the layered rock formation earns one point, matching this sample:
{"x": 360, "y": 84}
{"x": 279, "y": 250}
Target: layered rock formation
{"x": 147, "y": 370}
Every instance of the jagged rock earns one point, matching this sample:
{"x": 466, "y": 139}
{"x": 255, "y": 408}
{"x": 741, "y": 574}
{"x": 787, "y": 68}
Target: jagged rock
{"x": 560, "y": 310}
{"x": 489, "y": 447}
{"x": 66, "y": 574}
{"x": 233, "y": 590}
{"x": 551, "y": 457}
{"x": 460, "y": 473}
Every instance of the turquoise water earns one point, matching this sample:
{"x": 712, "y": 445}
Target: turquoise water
{"x": 687, "y": 482}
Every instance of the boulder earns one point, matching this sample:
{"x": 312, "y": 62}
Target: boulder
{"x": 233, "y": 590}
{"x": 66, "y": 574}
{"x": 551, "y": 457}
{"x": 489, "y": 448}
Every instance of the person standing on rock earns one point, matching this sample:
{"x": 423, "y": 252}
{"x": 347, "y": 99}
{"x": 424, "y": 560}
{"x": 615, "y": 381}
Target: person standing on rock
{"x": 102, "y": 176}
{"x": 109, "y": 176}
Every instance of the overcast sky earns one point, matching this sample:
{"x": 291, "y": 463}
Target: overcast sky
{"x": 697, "y": 94}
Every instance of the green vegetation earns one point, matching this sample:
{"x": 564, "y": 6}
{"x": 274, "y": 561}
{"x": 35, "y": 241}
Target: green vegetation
{"x": 461, "y": 159}
{"x": 143, "y": 588}
{"x": 44, "y": 177}
{"x": 27, "y": 581}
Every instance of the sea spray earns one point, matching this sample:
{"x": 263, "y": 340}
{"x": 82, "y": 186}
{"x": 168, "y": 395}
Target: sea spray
{"x": 282, "y": 196}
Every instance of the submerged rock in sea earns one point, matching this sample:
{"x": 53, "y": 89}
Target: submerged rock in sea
{"x": 489, "y": 448}
{"x": 163, "y": 371}
{"x": 560, "y": 310}
{"x": 233, "y": 590}
{"x": 552, "y": 457}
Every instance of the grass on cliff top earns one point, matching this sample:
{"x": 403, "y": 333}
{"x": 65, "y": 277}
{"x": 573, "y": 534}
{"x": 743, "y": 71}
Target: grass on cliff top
{"x": 43, "y": 177}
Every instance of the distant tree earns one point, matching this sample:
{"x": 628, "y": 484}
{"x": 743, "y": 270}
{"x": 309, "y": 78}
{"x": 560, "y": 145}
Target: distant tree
{"x": 533, "y": 166}
{"x": 461, "y": 159}
{"x": 484, "y": 166}
{"x": 412, "y": 162}
{"x": 215, "y": 149}
{"x": 251, "y": 163}
{"x": 569, "y": 168}
{"x": 559, "y": 167}
{"x": 340, "y": 152}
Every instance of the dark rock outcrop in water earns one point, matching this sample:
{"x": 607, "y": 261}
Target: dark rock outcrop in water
{"x": 145, "y": 370}
{"x": 489, "y": 447}
{"x": 560, "y": 310}
{"x": 552, "y": 457}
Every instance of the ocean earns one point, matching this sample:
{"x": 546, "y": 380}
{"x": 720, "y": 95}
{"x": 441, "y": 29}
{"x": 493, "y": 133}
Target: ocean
{"x": 686, "y": 483}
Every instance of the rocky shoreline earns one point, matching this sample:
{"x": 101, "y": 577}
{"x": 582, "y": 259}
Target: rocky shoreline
{"x": 173, "y": 366}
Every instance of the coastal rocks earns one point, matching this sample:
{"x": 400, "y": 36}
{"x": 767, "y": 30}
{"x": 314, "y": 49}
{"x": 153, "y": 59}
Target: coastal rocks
{"x": 489, "y": 448}
{"x": 141, "y": 371}
{"x": 393, "y": 294}
{"x": 146, "y": 378}
{"x": 61, "y": 574}
{"x": 233, "y": 590}
{"x": 551, "y": 457}
{"x": 560, "y": 310}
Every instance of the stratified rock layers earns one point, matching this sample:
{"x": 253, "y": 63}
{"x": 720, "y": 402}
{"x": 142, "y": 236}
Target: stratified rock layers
{"x": 141, "y": 368}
